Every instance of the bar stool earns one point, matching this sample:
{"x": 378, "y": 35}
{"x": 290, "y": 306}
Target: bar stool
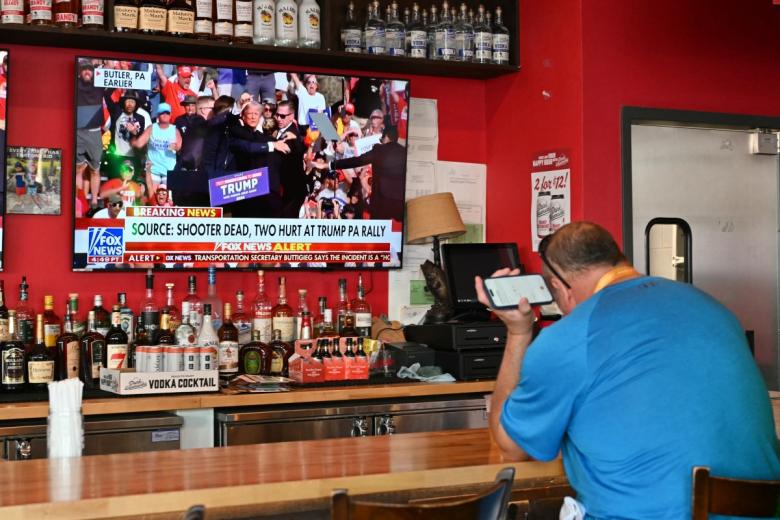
{"x": 733, "y": 497}
{"x": 490, "y": 504}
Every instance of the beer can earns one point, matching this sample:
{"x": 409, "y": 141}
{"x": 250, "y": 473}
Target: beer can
{"x": 543, "y": 202}
{"x": 191, "y": 358}
{"x": 154, "y": 358}
{"x": 208, "y": 358}
{"x": 173, "y": 358}
{"x": 557, "y": 213}
{"x": 140, "y": 358}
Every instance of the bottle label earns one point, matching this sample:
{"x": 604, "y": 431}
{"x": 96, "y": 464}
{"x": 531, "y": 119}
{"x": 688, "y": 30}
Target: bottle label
{"x": 228, "y": 356}
{"x": 500, "y": 48}
{"x": 181, "y": 22}
{"x": 152, "y": 18}
{"x": 395, "y": 42}
{"x": 72, "y": 358}
{"x": 252, "y": 362}
{"x": 277, "y": 363}
{"x": 225, "y": 11}
{"x": 363, "y": 320}
{"x": 50, "y": 333}
{"x": 264, "y": 21}
{"x": 286, "y": 21}
{"x": 66, "y": 18}
{"x": 203, "y": 27}
{"x": 13, "y": 366}
{"x": 185, "y": 336}
{"x": 151, "y": 322}
{"x": 418, "y": 44}
{"x": 464, "y": 43}
{"x": 26, "y": 330}
{"x": 40, "y": 10}
{"x": 351, "y": 39}
{"x": 244, "y": 331}
{"x": 223, "y": 29}
{"x": 103, "y": 331}
{"x": 12, "y": 11}
{"x": 203, "y": 9}
{"x": 117, "y": 355}
{"x": 242, "y": 30}
{"x": 265, "y": 326}
{"x": 286, "y": 325}
{"x": 126, "y": 324}
{"x": 483, "y": 46}
{"x": 375, "y": 41}
{"x": 92, "y": 12}
{"x": 4, "y": 334}
{"x": 243, "y": 12}
{"x": 40, "y": 371}
{"x": 126, "y": 17}
{"x": 310, "y": 23}
{"x": 97, "y": 357}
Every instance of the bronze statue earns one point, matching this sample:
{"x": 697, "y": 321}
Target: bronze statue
{"x": 436, "y": 282}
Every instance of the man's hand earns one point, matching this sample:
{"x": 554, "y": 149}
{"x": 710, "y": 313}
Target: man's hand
{"x": 281, "y": 146}
{"x": 518, "y": 321}
{"x": 287, "y": 136}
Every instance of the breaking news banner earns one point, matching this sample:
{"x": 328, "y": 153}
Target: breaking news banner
{"x": 197, "y": 237}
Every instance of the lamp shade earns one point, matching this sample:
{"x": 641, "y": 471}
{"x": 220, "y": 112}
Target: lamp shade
{"x": 432, "y": 216}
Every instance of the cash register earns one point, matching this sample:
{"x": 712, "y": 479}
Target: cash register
{"x": 469, "y": 345}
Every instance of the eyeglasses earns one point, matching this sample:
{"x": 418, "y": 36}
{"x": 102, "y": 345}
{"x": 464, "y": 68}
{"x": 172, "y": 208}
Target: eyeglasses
{"x": 543, "y": 255}
{"x": 282, "y": 116}
{"x": 115, "y": 204}
{"x": 267, "y": 109}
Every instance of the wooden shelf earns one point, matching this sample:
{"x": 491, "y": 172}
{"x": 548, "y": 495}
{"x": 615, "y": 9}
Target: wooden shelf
{"x": 96, "y": 41}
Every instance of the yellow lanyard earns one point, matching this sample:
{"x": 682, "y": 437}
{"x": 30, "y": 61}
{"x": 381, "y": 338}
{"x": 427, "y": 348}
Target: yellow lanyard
{"x": 614, "y": 275}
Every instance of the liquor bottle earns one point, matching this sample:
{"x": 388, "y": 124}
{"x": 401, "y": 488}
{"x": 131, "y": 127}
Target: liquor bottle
{"x": 213, "y": 299}
{"x": 13, "y": 364}
{"x": 360, "y": 352}
{"x": 25, "y": 316}
{"x": 286, "y": 23}
{"x": 319, "y": 320}
{"x": 170, "y": 305}
{"x": 349, "y": 330}
{"x": 282, "y": 314}
{"x": 263, "y": 30}
{"x": 3, "y": 314}
{"x": 348, "y": 351}
{"x": 431, "y": 28}
{"x": 204, "y": 19}
{"x": 241, "y": 320}
{"x": 325, "y": 350}
{"x": 52, "y": 326}
{"x": 152, "y": 17}
{"x": 68, "y": 354}
{"x": 126, "y": 317}
{"x": 282, "y": 351}
{"x": 140, "y": 339}
{"x": 93, "y": 14}
{"x": 395, "y": 32}
{"x": 207, "y": 337}
{"x": 328, "y": 330}
{"x": 126, "y": 15}
{"x": 309, "y": 24}
{"x": 196, "y": 306}
{"x": 335, "y": 351}
{"x": 351, "y": 35}
{"x": 186, "y": 336}
{"x": 41, "y": 12}
{"x": 12, "y": 11}
{"x": 342, "y": 307}
{"x": 149, "y": 309}
{"x": 303, "y": 307}
{"x": 79, "y": 325}
{"x": 223, "y": 25}
{"x": 255, "y": 357}
{"x": 445, "y": 34}
{"x": 316, "y": 352}
{"x": 166, "y": 335}
{"x": 307, "y": 331}
{"x": 464, "y": 36}
{"x": 115, "y": 353}
{"x": 41, "y": 363}
{"x": 407, "y": 20}
{"x": 483, "y": 38}
{"x": 181, "y": 18}
{"x": 242, "y": 31}
{"x": 263, "y": 311}
{"x": 500, "y": 40}
{"x": 102, "y": 317}
{"x": 66, "y": 13}
{"x": 228, "y": 346}
{"x": 376, "y": 37}
{"x": 418, "y": 39}
{"x": 362, "y": 310}
{"x": 92, "y": 344}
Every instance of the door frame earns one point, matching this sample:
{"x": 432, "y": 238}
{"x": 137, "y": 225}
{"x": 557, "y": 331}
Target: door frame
{"x": 631, "y": 115}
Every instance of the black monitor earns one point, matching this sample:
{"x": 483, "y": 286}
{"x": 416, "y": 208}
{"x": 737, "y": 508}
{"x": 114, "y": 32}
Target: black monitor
{"x": 462, "y": 262}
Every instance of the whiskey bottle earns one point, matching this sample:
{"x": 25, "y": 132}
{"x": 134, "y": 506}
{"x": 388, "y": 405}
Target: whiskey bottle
{"x": 286, "y": 23}
{"x": 3, "y": 314}
{"x": 25, "y": 316}
{"x": 12, "y": 11}
{"x": 204, "y": 19}
{"x": 319, "y": 320}
{"x": 263, "y": 311}
{"x": 342, "y": 307}
{"x": 196, "y": 306}
{"x": 303, "y": 307}
{"x": 242, "y": 31}
{"x": 127, "y": 319}
{"x": 92, "y": 345}
{"x": 309, "y": 24}
{"x": 149, "y": 309}
{"x": 223, "y": 28}
{"x": 52, "y": 326}
{"x": 166, "y": 335}
{"x": 213, "y": 299}
{"x": 170, "y": 305}
{"x": 349, "y": 330}
{"x": 483, "y": 38}
{"x": 351, "y": 34}
{"x": 362, "y": 310}
{"x": 282, "y": 351}
{"x": 13, "y": 364}
{"x": 79, "y": 325}
{"x": 500, "y": 40}
{"x": 41, "y": 12}
{"x": 241, "y": 320}
{"x": 125, "y": 16}
{"x": 228, "y": 346}
{"x": 418, "y": 40}
{"x": 40, "y": 360}
{"x": 93, "y": 14}
{"x": 102, "y": 317}
{"x": 263, "y": 30}
{"x": 181, "y": 22}
{"x": 255, "y": 357}
{"x": 282, "y": 314}
{"x": 328, "y": 330}
{"x": 115, "y": 353}
{"x": 152, "y": 19}
{"x": 68, "y": 354}
{"x": 66, "y": 13}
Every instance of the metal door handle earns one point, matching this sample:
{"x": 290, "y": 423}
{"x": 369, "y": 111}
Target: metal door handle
{"x": 24, "y": 449}
{"x": 386, "y": 425}
{"x": 359, "y": 427}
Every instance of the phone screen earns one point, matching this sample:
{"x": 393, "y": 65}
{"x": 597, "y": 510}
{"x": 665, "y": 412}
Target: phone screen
{"x": 506, "y": 291}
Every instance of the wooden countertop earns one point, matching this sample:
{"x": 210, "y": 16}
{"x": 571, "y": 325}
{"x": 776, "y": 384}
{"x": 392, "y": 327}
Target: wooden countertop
{"x": 40, "y": 409}
{"x": 255, "y": 476}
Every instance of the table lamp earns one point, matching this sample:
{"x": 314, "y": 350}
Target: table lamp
{"x": 434, "y": 217}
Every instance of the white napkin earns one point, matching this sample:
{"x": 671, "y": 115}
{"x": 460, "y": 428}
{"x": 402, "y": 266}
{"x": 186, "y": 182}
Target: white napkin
{"x": 65, "y": 432}
{"x": 412, "y": 373}
{"x": 572, "y": 510}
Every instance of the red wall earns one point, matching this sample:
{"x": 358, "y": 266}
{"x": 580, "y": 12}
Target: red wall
{"x": 41, "y": 93}
{"x": 708, "y": 55}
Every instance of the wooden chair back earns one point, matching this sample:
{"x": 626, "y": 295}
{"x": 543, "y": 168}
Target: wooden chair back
{"x": 733, "y": 497}
{"x": 490, "y": 504}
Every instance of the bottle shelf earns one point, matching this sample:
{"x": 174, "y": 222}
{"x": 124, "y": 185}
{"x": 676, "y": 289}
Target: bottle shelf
{"x": 129, "y": 43}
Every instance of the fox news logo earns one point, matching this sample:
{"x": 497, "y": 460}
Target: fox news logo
{"x": 106, "y": 245}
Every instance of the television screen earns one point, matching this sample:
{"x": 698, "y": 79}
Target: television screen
{"x": 462, "y": 262}
{"x": 3, "y": 156}
{"x": 186, "y": 166}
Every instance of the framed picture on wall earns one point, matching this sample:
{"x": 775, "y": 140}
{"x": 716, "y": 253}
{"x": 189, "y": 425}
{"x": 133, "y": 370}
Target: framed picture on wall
{"x": 34, "y": 180}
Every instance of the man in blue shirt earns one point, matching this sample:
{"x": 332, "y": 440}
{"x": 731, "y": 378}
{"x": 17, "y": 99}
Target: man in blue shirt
{"x": 643, "y": 379}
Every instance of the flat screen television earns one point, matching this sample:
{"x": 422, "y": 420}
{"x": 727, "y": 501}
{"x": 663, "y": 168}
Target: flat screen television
{"x": 185, "y": 166}
{"x": 462, "y": 262}
{"x": 3, "y": 155}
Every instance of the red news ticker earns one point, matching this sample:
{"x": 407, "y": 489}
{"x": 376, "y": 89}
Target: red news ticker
{"x": 209, "y": 257}
{"x": 157, "y": 211}
{"x": 253, "y": 247}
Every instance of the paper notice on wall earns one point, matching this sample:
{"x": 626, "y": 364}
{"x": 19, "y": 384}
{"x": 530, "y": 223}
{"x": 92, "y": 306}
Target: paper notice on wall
{"x": 423, "y": 141}
{"x": 550, "y": 194}
{"x": 420, "y": 178}
{"x": 468, "y": 184}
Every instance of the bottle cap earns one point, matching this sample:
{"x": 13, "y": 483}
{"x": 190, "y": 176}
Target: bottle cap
{"x": 48, "y": 301}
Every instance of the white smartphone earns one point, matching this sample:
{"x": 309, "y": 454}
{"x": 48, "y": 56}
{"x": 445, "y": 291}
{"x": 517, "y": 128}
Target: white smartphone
{"x": 504, "y": 292}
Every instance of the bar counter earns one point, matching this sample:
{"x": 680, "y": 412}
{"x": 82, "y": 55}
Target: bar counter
{"x": 260, "y": 479}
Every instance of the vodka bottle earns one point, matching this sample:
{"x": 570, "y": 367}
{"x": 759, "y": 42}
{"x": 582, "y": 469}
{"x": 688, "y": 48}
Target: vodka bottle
{"x": 375, "y": 31}
{"x": 263, "y": 30}
{"x": 500, "y": 40}
{"x": 407, "y": 20}
{"x": 213, "y": 298}
{"x": 395, "y": 33}
{"x": 286, "y": 23}
{"x": 415, "y": 31}
{"x": 464, "y": 36}
{"x": 351, "y": 34}
{"x": 431, "y": 28}
{"x": 445, "y": 35}
{"x": 483, "y": 38}
{"x": 309, "y": 24}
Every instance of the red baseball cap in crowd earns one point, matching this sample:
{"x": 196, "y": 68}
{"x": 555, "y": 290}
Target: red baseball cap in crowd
{"x": 349, "y": 108}
{"x": 184, "y": 72}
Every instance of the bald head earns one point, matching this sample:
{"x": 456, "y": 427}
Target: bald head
{"x": 581, "y": 246}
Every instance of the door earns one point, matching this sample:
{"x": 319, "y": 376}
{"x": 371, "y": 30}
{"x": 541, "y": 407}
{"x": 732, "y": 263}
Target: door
{"x": 729, "y": 197}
